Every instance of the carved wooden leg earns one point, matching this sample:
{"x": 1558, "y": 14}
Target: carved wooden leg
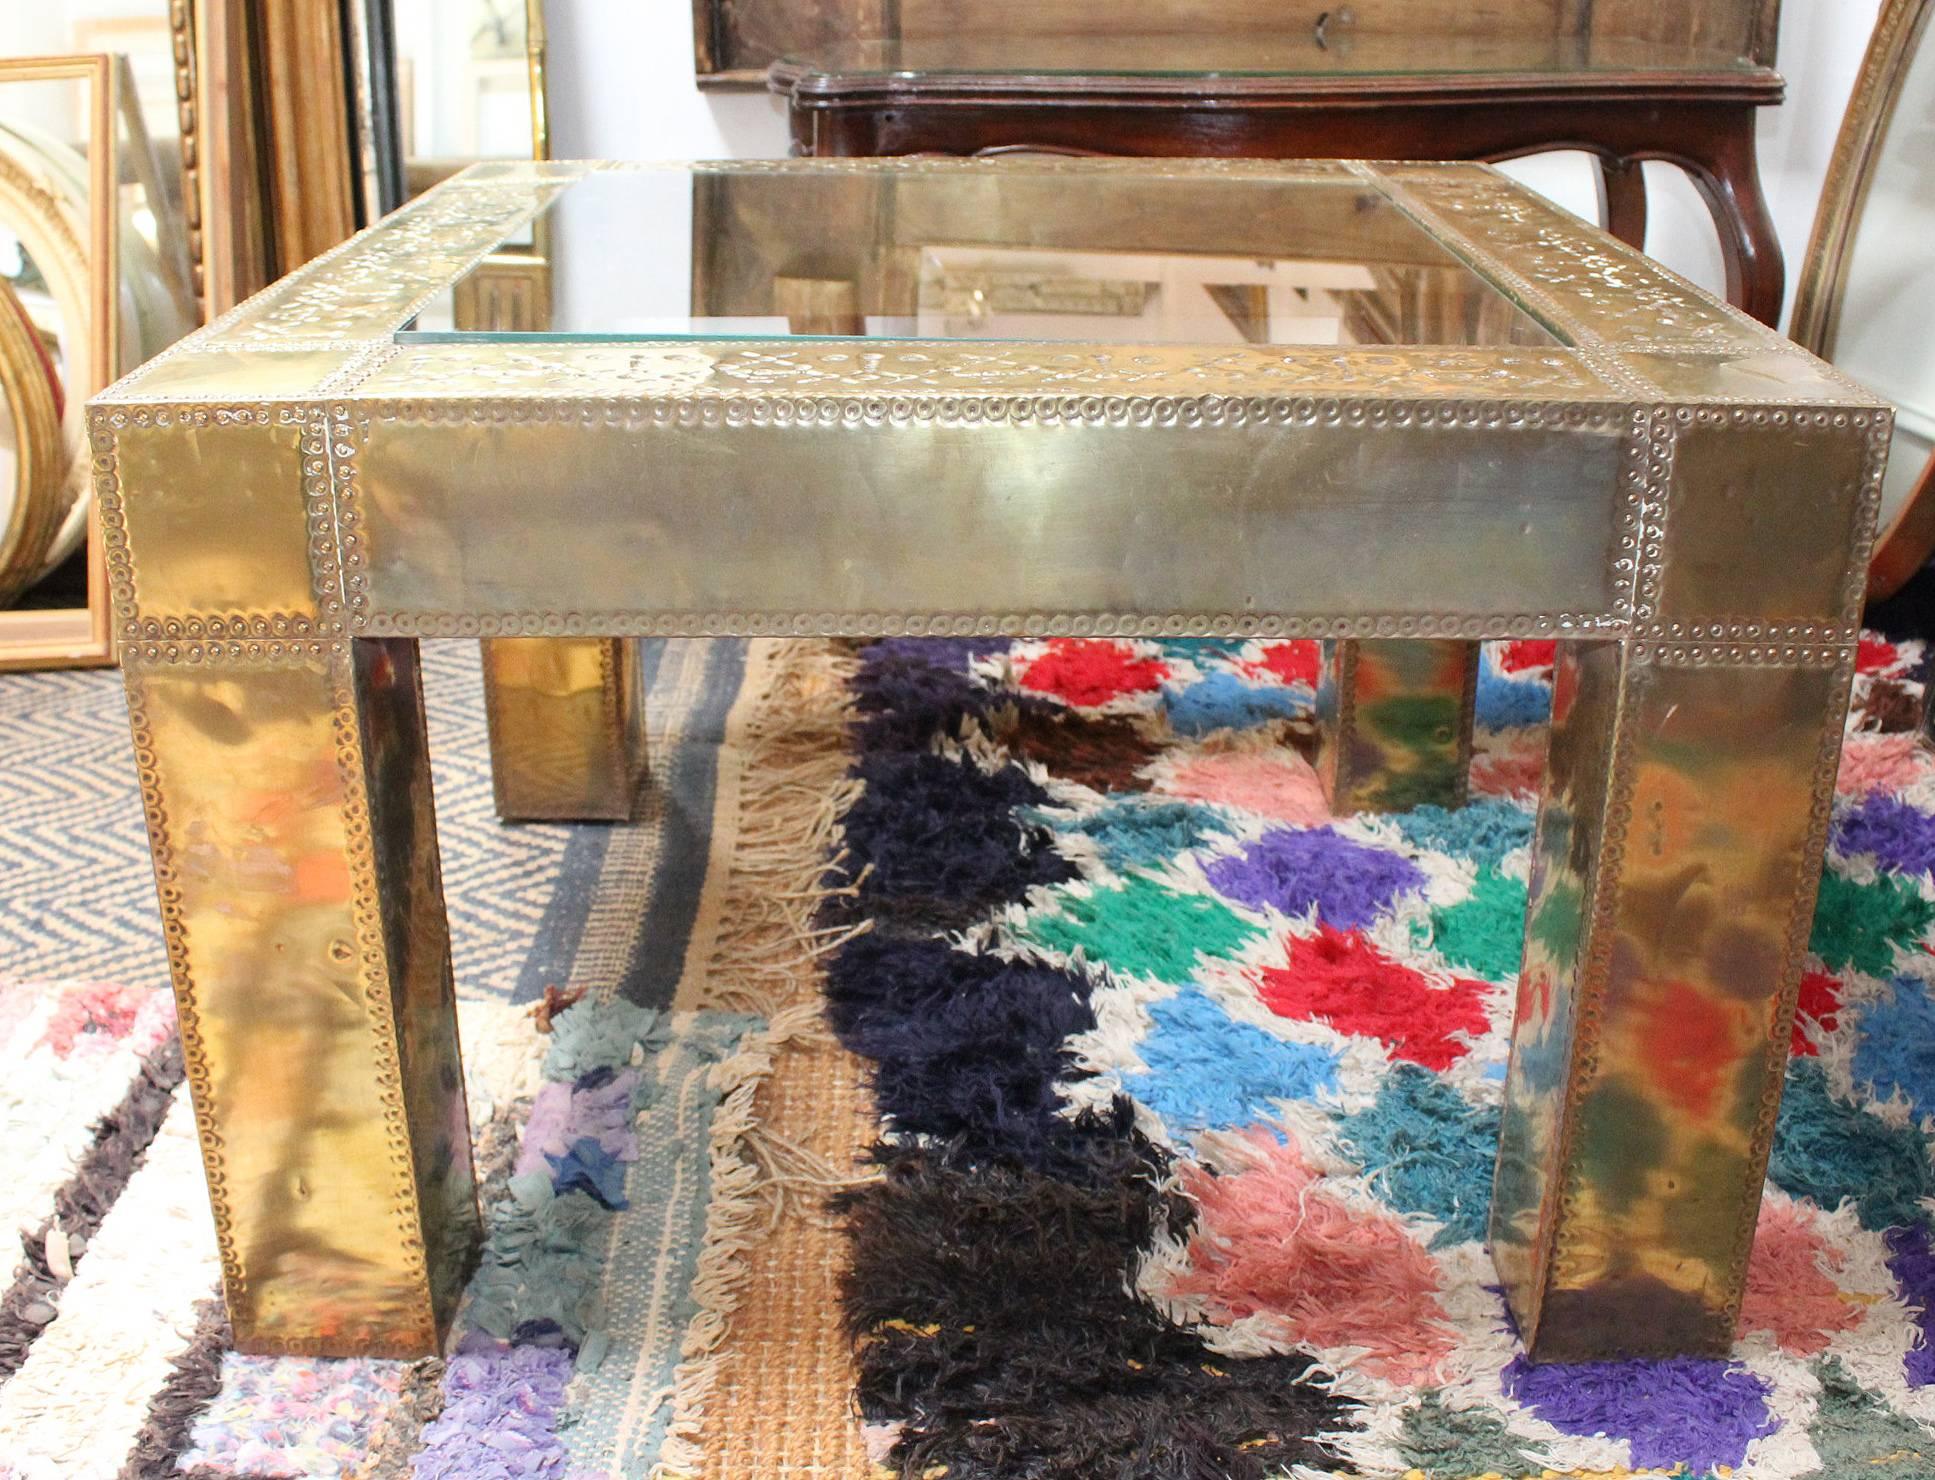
{"x": 1674, "y": 871}
{"x": 567, "y": 727}
{"x": 1622, "y": 199}
{"x": 1720, "y": 157}
{"x": 1394, "y": 720}
{"x": 288, "y": 796}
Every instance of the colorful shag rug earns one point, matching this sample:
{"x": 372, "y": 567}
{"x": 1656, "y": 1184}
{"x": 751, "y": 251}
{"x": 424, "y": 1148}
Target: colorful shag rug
{"x": 982, "y": 1060}
{"x": 1190, "y": 1094}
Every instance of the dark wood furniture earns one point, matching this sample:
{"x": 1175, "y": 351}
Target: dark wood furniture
{"x": 1679, "y": 88}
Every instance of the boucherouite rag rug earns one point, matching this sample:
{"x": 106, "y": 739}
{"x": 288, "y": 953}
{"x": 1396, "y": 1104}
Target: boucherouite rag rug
{"x": 1190, "y": 1094}
{"x": 981, "y": 1059}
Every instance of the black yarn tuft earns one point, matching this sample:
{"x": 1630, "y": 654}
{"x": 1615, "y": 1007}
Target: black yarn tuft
{"x": 995, "y": 1319}
{"x": 943, "y": 843}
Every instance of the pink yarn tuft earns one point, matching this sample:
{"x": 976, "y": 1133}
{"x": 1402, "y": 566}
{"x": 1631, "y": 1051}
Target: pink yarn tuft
{"x": 1271, "y": 783}
{"x": 1270, "y": 1243}
{"x": 1789, "y": 1293}
{"x": 1881, "y": 763}
{"x": 93, "y": 1016}
{"x": 1512, "y": 767}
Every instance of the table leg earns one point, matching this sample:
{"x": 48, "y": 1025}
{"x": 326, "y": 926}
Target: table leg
{"x": 1674, "y": 869}
{"x": 1394, "y": 722}
{"x": 1622, "y": 199}
{"x": 1723, "y": 165}
{"x": 295, "y": 854}
{"x": 567, "y": 727}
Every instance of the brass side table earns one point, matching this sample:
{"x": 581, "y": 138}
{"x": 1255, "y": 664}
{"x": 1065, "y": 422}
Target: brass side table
{"x": 1400, "y": 408}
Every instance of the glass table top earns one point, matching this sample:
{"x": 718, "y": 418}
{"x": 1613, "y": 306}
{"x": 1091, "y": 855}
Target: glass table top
{"x": 1310, "y": 54}
{"x": 1029, "y": 253}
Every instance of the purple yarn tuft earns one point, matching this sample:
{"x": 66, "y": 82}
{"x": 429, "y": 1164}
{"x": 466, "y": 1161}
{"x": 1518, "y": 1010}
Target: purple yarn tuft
{"x": 1681, "y": 1411}
{"x": 1349, "y": 884}
{"x": 1912, "y": 1262}
{"x": 1899, "y": 836}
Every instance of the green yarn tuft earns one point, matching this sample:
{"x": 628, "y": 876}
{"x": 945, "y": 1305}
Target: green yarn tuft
{"x": 1143, "y": 929}
{"x": 1448, "y": 1444}
{"x": 1858, "y": 1435}
{"x": 1859, "y": 924}
{"x": 1832, "y": 1151}
{"x": 1484, "y": 933}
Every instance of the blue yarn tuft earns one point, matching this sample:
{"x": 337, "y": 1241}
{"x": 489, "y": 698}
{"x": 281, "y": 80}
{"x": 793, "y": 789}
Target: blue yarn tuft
{"x": 1223, "y": 701}
{"x": 1509, "y": 704}
{"x": 1895, "y": 1046}
{"x": 1834, "y": 1152}
{"x": 1130, "y": 832}
{"x": 1207, "y": 1070}
{"x": 1431, "y": 1152}
{"x": 1484, "y": 831}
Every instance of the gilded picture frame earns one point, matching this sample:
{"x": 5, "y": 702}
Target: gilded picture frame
{"x": 1900, "y": 30}
{"x": 75, "y": 637}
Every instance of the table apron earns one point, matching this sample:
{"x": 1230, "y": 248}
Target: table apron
{"x": 511, "y": 523}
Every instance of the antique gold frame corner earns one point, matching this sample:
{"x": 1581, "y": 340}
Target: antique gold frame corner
{"x": 1900, "y": 29}
{"x": 81, "y": 637}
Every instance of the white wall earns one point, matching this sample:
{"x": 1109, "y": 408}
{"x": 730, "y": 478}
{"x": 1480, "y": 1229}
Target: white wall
{"x": 621, "y": 88}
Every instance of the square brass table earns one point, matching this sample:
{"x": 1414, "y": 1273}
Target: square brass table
{"x": 1398, "y": 407}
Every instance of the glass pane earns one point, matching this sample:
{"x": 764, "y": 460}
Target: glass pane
{"x": 1016, "y": 253}
{"x": 1883, "y": 339}
{"x": 1333, "y": 51}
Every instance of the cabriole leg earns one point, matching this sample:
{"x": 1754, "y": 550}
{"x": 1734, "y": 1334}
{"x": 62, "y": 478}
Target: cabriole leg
{"x": 567, "y": 727}
{"x": 295, "y": 853}
{"x": 1674, "y": 870}
{"x": 1394, "y": 722}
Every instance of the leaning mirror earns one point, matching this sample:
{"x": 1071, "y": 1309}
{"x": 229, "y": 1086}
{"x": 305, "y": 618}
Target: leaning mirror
{"x": 1869, "y": 278}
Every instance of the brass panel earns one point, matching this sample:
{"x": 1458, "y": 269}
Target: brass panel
{"x": 1664, "y": 949}
{"x": 1761, "y": 518}
{"x": 407, "y": 890}
{"x": 287, "y": 802}
{"x": 1394, "y": 723}
{"x": 213, "y": 372}
{"x": 567, "y": 732}
{"x": 214, "y": 513}
{"x": 1015, "y": 515}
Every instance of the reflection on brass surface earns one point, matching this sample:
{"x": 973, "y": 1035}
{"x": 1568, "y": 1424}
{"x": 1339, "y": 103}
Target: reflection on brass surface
{"x": 1394, "y": 723}
{"x": 288, "y": 804}
{"x": 1674, "y": 870}
{"x": 1680, "y": 496}
{"x": 567, "y": 732}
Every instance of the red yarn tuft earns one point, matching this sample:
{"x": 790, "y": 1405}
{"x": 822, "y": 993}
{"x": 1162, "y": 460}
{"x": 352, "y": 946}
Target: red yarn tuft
{"x": 1087, "y": 673}
{"x": 1270, "y": 1243}
{"x": 1875, "y": 655}
{"x": 1820, "y": 1003}
{"x": 1340, "y": 978}
{"x": 1289, "y": 662}
{"x": 1528, "y": 653}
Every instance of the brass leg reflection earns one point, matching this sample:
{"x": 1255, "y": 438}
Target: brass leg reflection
{"x": 1394, "y": 722}
{"x": 567, "y": 727}
{"x": 1674, "y": 870}
{"x": 295, "y": 851}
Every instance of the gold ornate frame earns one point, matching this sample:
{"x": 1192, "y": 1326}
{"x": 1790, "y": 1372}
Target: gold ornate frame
{"x": 1899, "y": 30}
{"x": 80, "y": 636}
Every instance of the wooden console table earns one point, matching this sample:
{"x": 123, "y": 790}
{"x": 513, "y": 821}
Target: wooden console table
{"x": 1327, "y": 95}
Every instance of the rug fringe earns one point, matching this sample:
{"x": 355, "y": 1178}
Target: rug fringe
{"x": 765, "y": 945}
